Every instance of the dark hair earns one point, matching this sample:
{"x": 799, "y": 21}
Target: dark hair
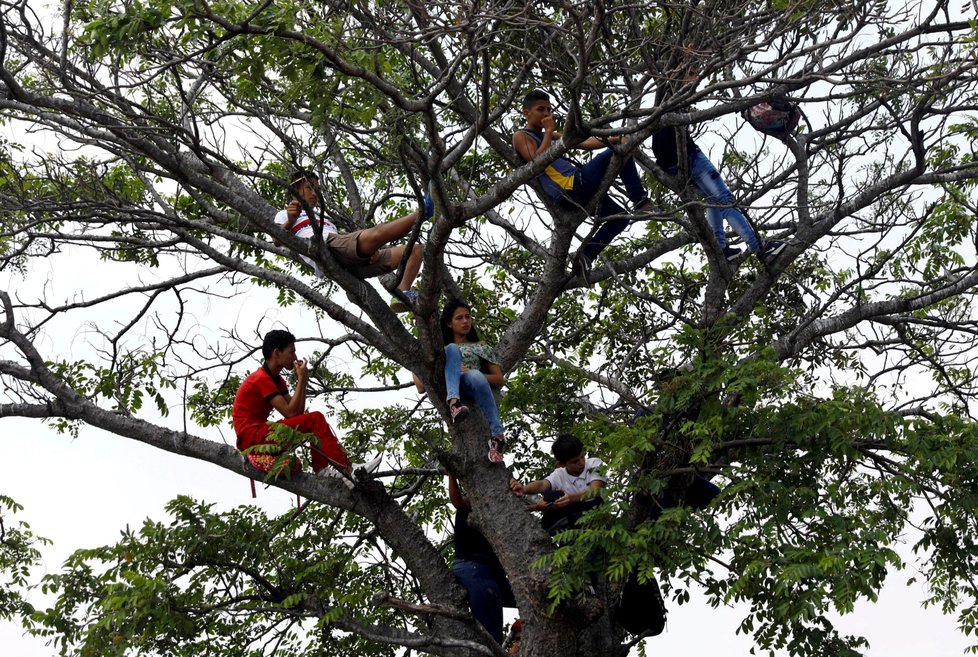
{"x": 300, "y": 176}
{"x": 447, "y": 336}
{"x": 534, "y": 97}
{"x": 566, "y": 447}
{"x": 276, "y": 339}
{"x": 303, "y": 174}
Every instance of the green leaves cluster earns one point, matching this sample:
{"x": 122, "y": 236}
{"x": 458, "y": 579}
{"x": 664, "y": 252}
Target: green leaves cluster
{"x": 133, "y": 377}
{"x": 19, "y": 554}
{"x": 209, "y": 582}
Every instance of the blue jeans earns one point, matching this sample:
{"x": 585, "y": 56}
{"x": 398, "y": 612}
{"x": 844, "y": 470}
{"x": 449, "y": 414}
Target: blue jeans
{"x": 586, "y": 186}
{"x": 708, "y": 182}
{"x": 473, "y": 385}
{"x": 487, "y": 590}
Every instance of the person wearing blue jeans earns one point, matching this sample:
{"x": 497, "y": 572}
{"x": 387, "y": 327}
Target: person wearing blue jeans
{"x": 586, "y": 186}
{"x": 477, "y": 569}
{"x": 568, "y": 184}
{"x": 707, "y": 181}
{"x": 471, "y": 383}
{"x": 470, "y": 373}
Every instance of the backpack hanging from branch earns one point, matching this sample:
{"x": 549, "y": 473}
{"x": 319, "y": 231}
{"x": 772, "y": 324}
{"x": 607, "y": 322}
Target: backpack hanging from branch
{"x": 778, "y": 117}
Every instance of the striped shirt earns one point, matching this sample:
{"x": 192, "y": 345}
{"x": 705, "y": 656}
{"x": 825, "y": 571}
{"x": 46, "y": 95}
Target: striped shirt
{"x": 557, "y": 178}
{"x": 303, "y": 226}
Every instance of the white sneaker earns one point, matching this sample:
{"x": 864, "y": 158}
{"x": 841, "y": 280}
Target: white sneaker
{"x": 369, "y": 466}
{"x": 333, "y": 472}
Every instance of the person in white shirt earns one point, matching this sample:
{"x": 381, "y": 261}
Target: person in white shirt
{"x": 579, "y": 478}
{"x": 365, "y": 253}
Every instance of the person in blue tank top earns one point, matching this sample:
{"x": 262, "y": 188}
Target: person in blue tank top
{"x": 572, "y": 186}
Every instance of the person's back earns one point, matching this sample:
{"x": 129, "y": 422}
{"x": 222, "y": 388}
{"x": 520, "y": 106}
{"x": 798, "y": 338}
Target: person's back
{"x": 251, "y": 408}
{"x": 665, "y": 147}
{"x": 477, "y": 568}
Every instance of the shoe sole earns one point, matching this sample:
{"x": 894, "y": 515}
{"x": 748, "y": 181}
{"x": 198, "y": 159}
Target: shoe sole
{"x": 370, "y": 466}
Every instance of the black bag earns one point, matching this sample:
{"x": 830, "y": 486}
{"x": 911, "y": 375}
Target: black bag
{"x": 641, "y": 609}
{"x": 778, "y": 117}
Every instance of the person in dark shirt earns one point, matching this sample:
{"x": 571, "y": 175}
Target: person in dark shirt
{"x": 707, "y": 181}
{"x": 669, "y": 143}
{"x": 477, "y": 569}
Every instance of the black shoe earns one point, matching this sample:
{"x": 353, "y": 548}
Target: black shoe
{"x": 642, "y": 206}
{"x": 731, "y": 253}
{"x": 771, "y": 251}
{"x": 582, "y": 267}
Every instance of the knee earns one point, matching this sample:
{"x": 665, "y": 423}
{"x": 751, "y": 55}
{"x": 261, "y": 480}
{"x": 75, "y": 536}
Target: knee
{"x": 453, "y": 350}
{"x": 475, "y": 378}
{"x": 316, "y": 422}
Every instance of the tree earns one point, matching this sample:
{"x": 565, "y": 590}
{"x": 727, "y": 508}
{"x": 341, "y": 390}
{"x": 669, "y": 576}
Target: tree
{"x": 830, "y": 393}
{"x": 18, "y": 554}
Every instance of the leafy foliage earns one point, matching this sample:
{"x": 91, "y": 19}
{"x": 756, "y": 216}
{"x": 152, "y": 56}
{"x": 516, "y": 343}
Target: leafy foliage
{"x": 206, "y": 582}
{"x": 19, "y": 554}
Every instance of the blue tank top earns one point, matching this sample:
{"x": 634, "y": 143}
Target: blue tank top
{"x": 558, "y": 178}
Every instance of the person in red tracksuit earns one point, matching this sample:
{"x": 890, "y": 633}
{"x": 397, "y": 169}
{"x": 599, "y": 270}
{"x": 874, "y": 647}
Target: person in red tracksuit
{"x": 264, "y": 390}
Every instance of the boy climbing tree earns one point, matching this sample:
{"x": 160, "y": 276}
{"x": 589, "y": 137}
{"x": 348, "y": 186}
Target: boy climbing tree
{"x": 570, "y": 186}
{"x": 672, "y": 145}
{"x": 363, "y": 252}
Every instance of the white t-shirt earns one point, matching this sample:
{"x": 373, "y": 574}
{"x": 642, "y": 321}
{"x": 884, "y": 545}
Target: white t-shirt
{"x": 303, "y": 228}
{"x": 560, "y": 480}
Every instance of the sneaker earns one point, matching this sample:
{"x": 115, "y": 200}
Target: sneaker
{"x": 582, "y": 267}
{"x": 333, "y": 472}
{"x": 731, "y": 253}
{"x": 398, "y": 305}
{"x": 771, "y": 251}
{"x": 428, "y": 209}
{"x": 368, "y": 467}
{"x": 459, "y": 411}
{"x": 496, "y": 446}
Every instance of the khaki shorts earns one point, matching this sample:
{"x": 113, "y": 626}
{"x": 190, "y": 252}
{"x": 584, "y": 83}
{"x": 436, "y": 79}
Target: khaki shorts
{"x": 344, "y": 248}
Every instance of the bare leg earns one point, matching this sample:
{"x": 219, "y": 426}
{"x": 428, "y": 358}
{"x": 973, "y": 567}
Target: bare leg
{"x": 411, "y": 267}
{"x": 375, "y": 238}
